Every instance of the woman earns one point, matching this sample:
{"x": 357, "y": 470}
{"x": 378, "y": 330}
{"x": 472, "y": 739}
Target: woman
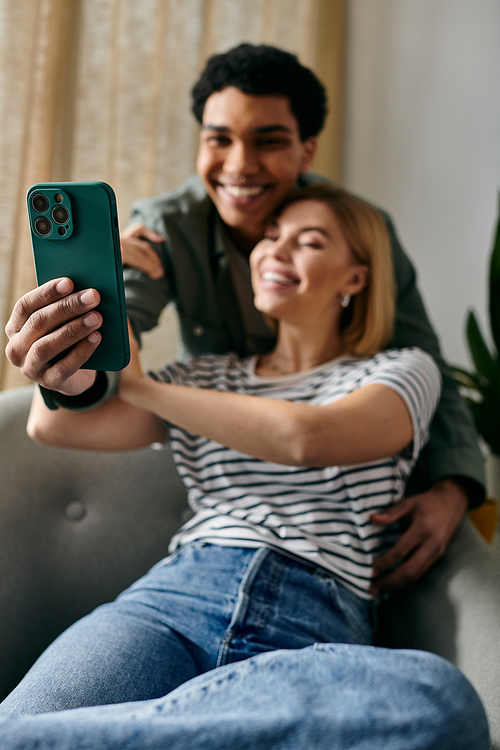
{"x": 287, "y": 458}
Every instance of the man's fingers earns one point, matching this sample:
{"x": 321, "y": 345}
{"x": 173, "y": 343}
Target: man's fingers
{"x": 37, "y": 299}
{"x": 152, "y": 236}
{"x": 65, "y": 313}
{"x": 58, "y": 376}
{"x": 406, "y": 544}
{"x": 414, "y": 552}
{"x": 396, "y": 513}
{"x": 139, "y": 230}
{"x": 137, "y": 251}
{"x": 53, "y": 344}
{"x": 37, "y": 360}
{"x": 139, "y": 254}
{"x": 407, "y": 573}
{"x": 51, "y": 328}
{"x": 52, "y": 333}
{"x": 50, "y": 305}
{"x": 434, "y": 517}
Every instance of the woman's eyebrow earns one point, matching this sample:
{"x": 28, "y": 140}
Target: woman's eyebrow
{"x": 315, "y": 229}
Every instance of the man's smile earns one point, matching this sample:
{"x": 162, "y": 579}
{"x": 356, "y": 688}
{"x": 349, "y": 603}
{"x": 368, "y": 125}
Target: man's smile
{"x": 241, "y": 191}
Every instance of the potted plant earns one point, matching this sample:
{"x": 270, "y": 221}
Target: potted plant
{"x": 481, "y": 386}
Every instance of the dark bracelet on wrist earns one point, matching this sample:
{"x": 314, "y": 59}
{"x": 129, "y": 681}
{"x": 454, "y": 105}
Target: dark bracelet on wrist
{"x": 54, "y": 400}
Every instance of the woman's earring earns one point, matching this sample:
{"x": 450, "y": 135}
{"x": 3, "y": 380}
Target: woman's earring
{"x": 345, "y": 300}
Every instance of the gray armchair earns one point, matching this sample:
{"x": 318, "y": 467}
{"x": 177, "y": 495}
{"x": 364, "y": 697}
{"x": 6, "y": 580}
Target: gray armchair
{"x": 78, "y": 527}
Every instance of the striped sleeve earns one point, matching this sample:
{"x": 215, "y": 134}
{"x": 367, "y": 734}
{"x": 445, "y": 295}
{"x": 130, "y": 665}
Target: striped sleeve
{"x": 202, "y": 372}
{"x": 413, "y": 375}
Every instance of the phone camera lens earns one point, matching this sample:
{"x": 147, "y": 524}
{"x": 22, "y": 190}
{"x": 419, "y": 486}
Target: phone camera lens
{"x": 43, "y": 226}
{"x": 40, "y": 203}
{"x": 60, "y": 214}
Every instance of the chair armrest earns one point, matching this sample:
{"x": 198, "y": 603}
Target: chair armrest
{"x": 76, "y": 528}
{"x": 454, "y": 611}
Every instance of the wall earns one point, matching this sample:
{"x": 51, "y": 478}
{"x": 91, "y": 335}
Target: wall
{"x": 423, "y": 141}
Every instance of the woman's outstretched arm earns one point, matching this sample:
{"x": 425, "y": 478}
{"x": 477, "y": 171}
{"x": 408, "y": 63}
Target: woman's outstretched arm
{"x": 367, "y": 424}
{"x": 113, "y": 426}
{"x": 370, "y": 423}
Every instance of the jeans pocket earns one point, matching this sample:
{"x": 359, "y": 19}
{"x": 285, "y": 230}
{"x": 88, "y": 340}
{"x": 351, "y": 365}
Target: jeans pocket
{"x": 356, "y": 613}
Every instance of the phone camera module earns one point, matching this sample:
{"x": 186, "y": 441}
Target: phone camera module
{"x": 40, "y": 203}
{"x": 42, "y": 226}
{"x": 60, "y": 214}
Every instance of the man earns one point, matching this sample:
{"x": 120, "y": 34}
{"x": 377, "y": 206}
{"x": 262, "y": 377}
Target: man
{"x": 260, "y": 112}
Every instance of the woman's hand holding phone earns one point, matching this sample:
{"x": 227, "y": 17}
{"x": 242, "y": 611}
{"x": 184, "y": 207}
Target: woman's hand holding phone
{"x": 48, "y": 321}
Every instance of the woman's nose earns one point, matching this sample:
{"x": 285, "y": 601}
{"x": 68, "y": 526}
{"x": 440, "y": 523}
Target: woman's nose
{"x": 281, "y": 248}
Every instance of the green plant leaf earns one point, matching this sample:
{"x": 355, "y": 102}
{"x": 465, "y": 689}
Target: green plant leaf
{"x": 481, "y": 355}
{"x": 488, "y": 423}
{"x": 494, "y": 284}
{"x": 481, "y": 389}
{"x": 472, "y": 387}
{"x": 470, "y": 380}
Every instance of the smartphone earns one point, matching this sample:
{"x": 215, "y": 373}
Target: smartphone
{"x": 74, "y": 233}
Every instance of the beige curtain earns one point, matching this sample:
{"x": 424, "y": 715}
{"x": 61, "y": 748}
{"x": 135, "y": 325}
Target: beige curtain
{"x": 99, "y": 90}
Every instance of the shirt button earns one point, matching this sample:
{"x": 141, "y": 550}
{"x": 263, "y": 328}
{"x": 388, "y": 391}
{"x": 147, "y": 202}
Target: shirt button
{"x": 198, "y": 330}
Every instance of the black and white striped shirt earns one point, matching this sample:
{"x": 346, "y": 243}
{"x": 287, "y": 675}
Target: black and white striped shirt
{"x": 320, "y": 515}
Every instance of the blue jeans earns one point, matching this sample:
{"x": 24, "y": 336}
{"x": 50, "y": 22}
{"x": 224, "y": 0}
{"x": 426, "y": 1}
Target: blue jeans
{"x": 235, "y": 647}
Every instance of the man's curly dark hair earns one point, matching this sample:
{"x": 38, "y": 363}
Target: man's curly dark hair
{"x": 264, "y": 70}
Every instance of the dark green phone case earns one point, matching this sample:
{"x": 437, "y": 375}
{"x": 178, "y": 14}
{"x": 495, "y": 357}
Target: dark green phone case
{"x": 77, "y": 236}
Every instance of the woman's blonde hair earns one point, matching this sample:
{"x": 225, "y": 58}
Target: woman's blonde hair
{"x": 368, "y": 321}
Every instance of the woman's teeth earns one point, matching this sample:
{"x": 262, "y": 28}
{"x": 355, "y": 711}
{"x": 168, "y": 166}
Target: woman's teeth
{"x": 277, "y": 278}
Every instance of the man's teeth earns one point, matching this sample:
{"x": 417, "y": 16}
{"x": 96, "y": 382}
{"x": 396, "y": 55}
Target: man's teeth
{"x": 277, "y": 278}
{"x": 238, "y": 191}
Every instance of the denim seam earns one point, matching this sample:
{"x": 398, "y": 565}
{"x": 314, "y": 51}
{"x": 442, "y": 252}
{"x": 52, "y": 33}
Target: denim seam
{"x": 348, "y": 621}
{"x": 242, "y": 602}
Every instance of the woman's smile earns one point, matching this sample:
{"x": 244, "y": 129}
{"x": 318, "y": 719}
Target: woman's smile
{"x": 278, "y": 278}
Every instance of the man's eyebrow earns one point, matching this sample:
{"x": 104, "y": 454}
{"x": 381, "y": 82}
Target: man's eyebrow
{"x": 272, "y": 129}
{"x": 218, "y": 128}
{"x": 260, "y": 131}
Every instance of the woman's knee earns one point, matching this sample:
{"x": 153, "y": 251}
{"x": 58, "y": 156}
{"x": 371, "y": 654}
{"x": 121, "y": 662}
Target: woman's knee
{"x": 416, "y": 698}
{"x": 456, "y": 717}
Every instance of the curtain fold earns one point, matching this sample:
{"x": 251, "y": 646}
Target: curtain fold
{"x": 99, "y": 90}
